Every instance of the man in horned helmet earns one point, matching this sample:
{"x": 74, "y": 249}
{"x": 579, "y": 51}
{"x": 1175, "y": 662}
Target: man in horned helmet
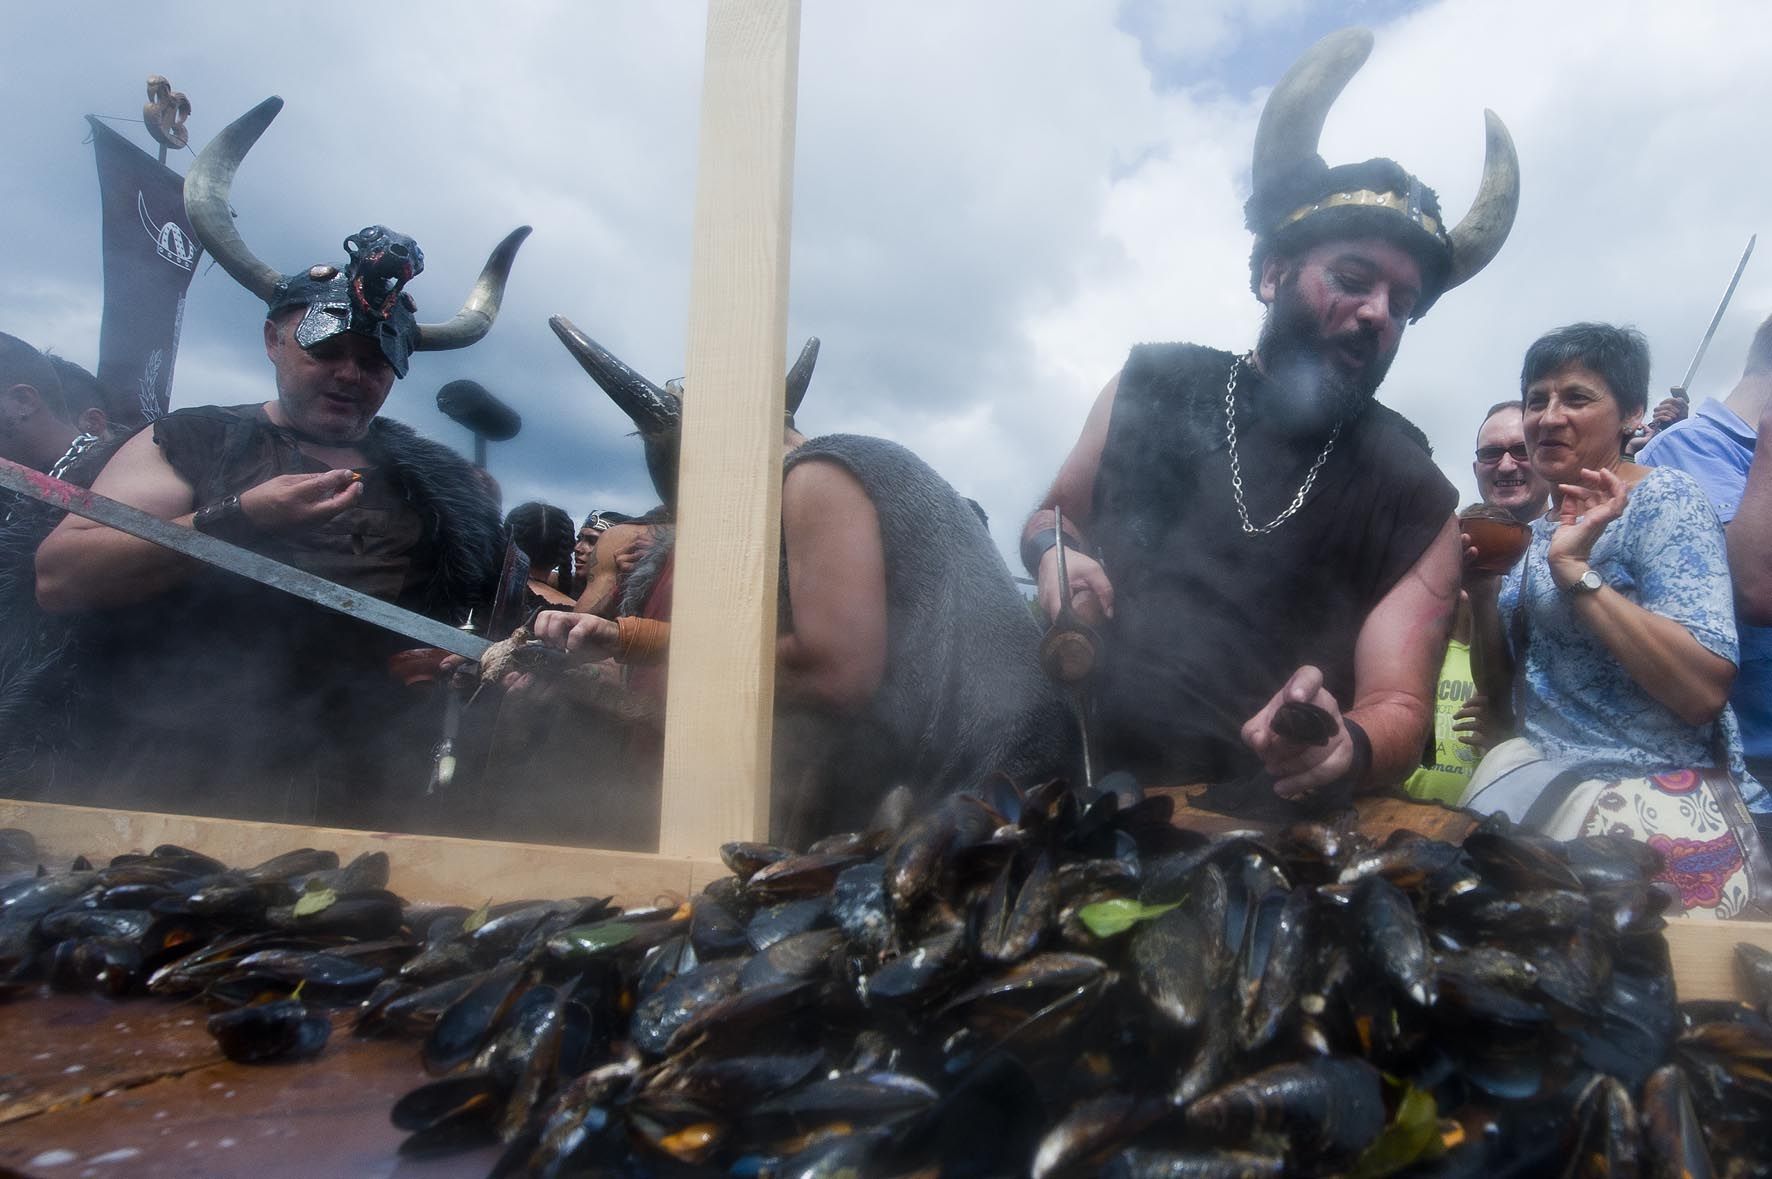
{"x": 231, "y": 699}
{"x": 1255, "y": 528}
{"x": 905, "y": 656}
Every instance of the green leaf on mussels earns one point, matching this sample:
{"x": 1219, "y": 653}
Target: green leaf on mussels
{"x": 1106, "y": 918}
{"x": 478, "y": 917}
{"x": 316, "y": 900}
{"x": 1412, "y": 1136}
{"x": 584, "y": 940}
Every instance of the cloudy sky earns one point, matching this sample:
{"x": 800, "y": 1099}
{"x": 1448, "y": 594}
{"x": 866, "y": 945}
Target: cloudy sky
{"x": 992, "y": 200}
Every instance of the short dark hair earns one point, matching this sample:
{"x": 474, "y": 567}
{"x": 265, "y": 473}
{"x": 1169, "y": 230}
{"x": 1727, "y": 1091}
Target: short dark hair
{"x": 1618, "y": 355}
{"x": 80, "y": 389}
{"x": 21, "y": 364}
{"x": 544, "y": 533}
{"x": 1759, "y": 353}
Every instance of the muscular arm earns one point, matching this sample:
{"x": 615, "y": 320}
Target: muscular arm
{"x": 82, "y": 565}
{"x": 1073, "y": 491}
{"x": 1750, "y": 536}
{"x": 86, "y": 566}
{"x": 1398, "y": 656}
{"x": 836, "y": 654}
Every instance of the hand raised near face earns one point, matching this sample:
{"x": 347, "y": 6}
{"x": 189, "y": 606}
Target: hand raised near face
{"x": 295, "y": 501}
{"x": 1586, "y": 508}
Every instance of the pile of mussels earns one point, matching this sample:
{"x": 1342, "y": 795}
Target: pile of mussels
{"x": 1006, "y": 985}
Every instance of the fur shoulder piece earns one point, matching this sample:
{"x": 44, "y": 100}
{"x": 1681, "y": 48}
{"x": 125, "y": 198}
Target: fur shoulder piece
{"x": 460, "y": 512}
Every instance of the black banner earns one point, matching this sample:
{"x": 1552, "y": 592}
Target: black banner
{"x": 150, "y": 256}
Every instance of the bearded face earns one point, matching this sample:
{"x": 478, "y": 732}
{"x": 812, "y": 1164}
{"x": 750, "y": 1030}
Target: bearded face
{"x": 1333, "y": 325}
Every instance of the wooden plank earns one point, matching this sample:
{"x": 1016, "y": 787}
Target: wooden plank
{"x": 158, "y": 1100}
{"x": 1703, "y": 954}
{"x": 722, "y": 667}
{"x": 431, "y": 868}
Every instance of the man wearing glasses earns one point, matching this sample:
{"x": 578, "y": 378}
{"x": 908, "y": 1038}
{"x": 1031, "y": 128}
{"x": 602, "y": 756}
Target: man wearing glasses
{"x": 1503, "y": 469}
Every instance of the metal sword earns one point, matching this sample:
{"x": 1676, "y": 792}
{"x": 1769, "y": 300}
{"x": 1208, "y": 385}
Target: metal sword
{"x": 1070, "y": 654}
{"x": 1679, "y": 390}
{"x": 221, "y": 555}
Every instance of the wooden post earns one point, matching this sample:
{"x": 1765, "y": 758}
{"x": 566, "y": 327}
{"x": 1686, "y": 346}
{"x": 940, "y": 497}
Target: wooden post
{"x": 719, "y": 708}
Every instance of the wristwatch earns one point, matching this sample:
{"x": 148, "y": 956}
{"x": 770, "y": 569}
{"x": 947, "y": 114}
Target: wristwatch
{"x": 1588, "y": 583}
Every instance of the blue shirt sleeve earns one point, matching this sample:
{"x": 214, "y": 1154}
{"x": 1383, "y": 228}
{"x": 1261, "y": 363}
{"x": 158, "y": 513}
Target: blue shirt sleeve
{"x": 1710, "y": 456}
{"x": 1676, "y": 556}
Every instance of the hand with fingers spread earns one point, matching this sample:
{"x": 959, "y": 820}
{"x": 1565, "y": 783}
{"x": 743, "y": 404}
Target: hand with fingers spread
{"x": 1582, "y": 515}
{"x": 1297, "y": 768}
{"x": 288, "y": 502}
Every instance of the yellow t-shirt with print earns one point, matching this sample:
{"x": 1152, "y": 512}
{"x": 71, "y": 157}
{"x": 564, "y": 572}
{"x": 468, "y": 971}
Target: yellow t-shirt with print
{"x": 1445, "y": 780}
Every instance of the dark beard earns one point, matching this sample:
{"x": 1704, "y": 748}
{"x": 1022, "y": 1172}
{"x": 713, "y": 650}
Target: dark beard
{"x": 1309, "y": 391}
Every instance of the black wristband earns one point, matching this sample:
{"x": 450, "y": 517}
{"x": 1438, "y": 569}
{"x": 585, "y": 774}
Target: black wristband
{"x": 1036, "y": 545}
{"x": 225, "y": 520}
{"x": 1362, "y": 767}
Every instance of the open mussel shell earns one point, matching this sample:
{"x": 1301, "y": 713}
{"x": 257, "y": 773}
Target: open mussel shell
{"x": 324, "y": 978}
{"x": 660, "y": 1014}
{"x": 284, "y": 1029}
{"x": 467, "y": 1023}
{"x": 1034, "y": 999}
{"x": 1604, "y": 1137}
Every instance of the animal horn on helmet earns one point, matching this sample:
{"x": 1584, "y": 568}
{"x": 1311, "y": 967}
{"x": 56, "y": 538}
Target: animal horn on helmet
{"x": 1292, "y": 119}
{"x": 1478, "y": 237}
{"x": 474, "y": 320}
{"x": 207, "y": 185}
{"x": 652, "y": 409}
{"x": 800, "y": 376}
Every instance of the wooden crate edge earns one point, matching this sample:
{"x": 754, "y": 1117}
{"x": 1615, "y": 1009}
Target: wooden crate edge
{"x": 427, "y": 868}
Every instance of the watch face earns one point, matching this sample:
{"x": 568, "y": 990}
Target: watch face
{"x": 1590, "y": 581}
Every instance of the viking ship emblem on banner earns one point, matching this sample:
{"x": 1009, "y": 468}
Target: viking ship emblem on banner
{"x": 171, "y": 242}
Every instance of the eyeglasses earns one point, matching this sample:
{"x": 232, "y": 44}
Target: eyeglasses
{"x": 1488, "y": 456}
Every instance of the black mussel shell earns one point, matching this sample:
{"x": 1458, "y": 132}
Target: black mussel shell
{"x": 280, "y": 1030}
{"x": 1303, "y": 724}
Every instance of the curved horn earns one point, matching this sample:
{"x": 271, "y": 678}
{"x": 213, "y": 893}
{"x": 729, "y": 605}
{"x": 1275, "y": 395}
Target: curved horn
{"x": 474, "y": 320}
{"x": 1292, "y": 119}
{"x": 207, "y": 185}
{"x": 800, "y": 376}
{"x": 652, "y": 409}
{"x": 1477, "y": 239}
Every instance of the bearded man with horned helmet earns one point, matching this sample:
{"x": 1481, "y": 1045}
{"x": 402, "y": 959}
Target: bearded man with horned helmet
{"x": 228, "y": 698}
{"x": 1259, "y": 531}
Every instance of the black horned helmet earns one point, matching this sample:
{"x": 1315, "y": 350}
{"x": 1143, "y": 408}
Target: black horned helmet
{"x": 658, "y": 412}
{"x": 368, "y": 296}
{"x": 1299, "y": 201}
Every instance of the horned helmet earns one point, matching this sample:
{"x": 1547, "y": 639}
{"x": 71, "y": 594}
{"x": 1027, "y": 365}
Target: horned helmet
{"x": 1299, "y": 201}
{"x": 657, "y": 412}
{"x": 367, "y": 295}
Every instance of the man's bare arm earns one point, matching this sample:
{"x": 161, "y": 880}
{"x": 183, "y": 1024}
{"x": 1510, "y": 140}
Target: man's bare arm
{"x": 1073, "y": 491}
{"x": 82, "y": 565}
{"x": 1750, "y": 535}
{"x": 835, "y": 656}
{"x": 1397, "y": 659}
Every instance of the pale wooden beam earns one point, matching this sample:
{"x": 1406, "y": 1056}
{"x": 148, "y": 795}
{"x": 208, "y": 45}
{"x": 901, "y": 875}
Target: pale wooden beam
{"x": 719, "y": 718}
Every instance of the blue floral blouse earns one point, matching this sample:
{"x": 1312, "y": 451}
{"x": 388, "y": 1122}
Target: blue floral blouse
{"x": 1574, "y": 700}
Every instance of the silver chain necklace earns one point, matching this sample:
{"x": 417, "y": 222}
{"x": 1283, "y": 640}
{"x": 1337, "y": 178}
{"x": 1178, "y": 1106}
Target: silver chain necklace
{"x": 1230, "y": 437}
{"x": 75, "y": 450}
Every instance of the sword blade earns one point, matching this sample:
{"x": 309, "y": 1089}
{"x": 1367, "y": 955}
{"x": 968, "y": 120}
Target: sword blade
{"x": 244, "y": 562}
{"x": 1692, "y": 369}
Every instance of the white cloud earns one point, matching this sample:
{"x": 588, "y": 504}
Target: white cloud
{"x": 992, "y": 200}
